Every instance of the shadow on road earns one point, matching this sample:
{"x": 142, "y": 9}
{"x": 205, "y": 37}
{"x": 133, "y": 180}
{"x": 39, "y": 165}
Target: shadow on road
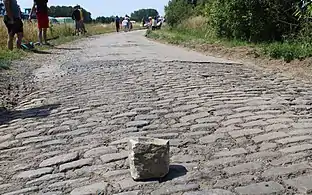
{"x": 67, "y": 49}
{"x": 37, "y": 112}
{"x": 175, "y": 171}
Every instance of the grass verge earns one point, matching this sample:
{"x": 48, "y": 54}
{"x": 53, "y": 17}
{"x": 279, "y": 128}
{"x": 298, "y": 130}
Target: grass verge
{"x": 193, "y": 36}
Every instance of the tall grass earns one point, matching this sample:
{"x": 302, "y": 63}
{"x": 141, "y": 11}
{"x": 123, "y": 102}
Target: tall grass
{"x": 196, "y": 30}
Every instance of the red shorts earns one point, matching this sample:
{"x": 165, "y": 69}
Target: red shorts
{"x": 43, "y": 20}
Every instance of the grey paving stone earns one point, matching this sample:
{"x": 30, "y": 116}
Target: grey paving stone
{"x": 269, "y": 136}
{"x": 186, "y": 158}
{"x": 234, "y": 181}
{"x": 289, "y": 158}
{"x": 49, "y": 177}
{"x": 211, "y": 138}
{"x": 277, "y": 171}
{"x": 244, "y": 132}
{"x": 136, "y": 192}
{"x": 222, "y": 161}
{"x": 96, "y": 188}
{"x": 203, "y": 127}
{"x": 193, "y": 117}
{"x": 59, "y": 159}
{"x": 68, "y": 183}
{"x": 297, "y": 148}
{"x": 294, "y": 139}
{"x": 106, "y": 158}
{"x": 210, "y": 192}
{"x": 94, "y": 152}
{"x": 260, "y": 188}
{"x": 23, "y": 191}
{"x": 262, "y": 155}
{"x": 302, "y": 183}
{"x": 34, "y": 173}
{"x": 242, "y": 168}
{"x": 233, "y": 152}
{"x": 28, "y": 134}
{"x": 175, "y": 189}
{"x": 6, "y": 137}
{"x": 76, "y": 164}
{"x": 139, "y": 123}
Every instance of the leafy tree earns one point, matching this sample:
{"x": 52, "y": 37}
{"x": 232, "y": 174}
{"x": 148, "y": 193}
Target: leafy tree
{"x": 105, "y": 20}
{"x": 66, "y": 11}
{"x": 143, "y": 13}
{"x": 177, "y": 10}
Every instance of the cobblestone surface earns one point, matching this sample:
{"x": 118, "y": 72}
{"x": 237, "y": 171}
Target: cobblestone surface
{"x": 233, "y": 129}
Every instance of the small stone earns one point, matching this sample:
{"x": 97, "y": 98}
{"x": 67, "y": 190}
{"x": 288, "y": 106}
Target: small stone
{"x": 59, "y": 159}
{"x": 149, "y": 158}
{"x": 96, "y": 188}
{"x": 140, "y": 123}
{"x": 34, "y": 173}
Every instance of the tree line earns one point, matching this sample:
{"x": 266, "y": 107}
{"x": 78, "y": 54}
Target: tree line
{"x": 249, "y": 20}
{"x": 135, "y": 16}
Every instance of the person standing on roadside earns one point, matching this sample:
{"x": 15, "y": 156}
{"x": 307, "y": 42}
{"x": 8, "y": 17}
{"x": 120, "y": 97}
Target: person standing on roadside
{"x": 76, "y": 16}
{"x": 41, "y": 8}
{"x": 117, "y": 21}
{"x": 13, "y": 22}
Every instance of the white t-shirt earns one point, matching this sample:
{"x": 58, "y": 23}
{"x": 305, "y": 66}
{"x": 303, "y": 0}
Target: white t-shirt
{"x": 124, "y": 22}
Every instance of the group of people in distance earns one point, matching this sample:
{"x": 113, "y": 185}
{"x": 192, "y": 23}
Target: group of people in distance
{"x": 125, "y": 23}
{"x": 14, "y": 24}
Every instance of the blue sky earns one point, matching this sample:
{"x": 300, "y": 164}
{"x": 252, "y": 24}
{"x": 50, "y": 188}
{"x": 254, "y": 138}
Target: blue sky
{"x": 106, "y": 7}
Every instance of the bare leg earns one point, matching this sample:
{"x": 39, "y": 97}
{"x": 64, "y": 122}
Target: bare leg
{"x": 19, "y": 40}
{"x": 10, "y": 41}
{"x": 45, "y": 35}
{"x": 40, "y": 35}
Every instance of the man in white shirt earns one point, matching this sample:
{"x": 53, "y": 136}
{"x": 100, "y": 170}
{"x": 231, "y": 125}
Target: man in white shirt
{"x": 125, "y": 24}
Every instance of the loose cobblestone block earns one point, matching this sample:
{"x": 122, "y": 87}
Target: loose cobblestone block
{"x": 149, "y": 158}
{"x": 260, "y": 188}
{"x": 303, "y": 184}
{"x": 96, "y": 188}
{"x": 59, "y": 159}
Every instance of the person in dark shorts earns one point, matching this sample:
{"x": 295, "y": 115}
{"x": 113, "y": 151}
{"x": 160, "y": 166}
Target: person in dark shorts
{"x": 76, "y": 16}
{"x": 13, "y": 22}
{"x": 41, "y": 8}
{"x": 117, "y": 21}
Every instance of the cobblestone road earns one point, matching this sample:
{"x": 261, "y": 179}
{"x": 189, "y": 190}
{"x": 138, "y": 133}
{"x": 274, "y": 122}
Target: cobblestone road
{"x": 232, "y": 129}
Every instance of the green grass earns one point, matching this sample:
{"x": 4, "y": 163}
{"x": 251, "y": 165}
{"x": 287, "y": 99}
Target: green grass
{"x": 190, "y": 37}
